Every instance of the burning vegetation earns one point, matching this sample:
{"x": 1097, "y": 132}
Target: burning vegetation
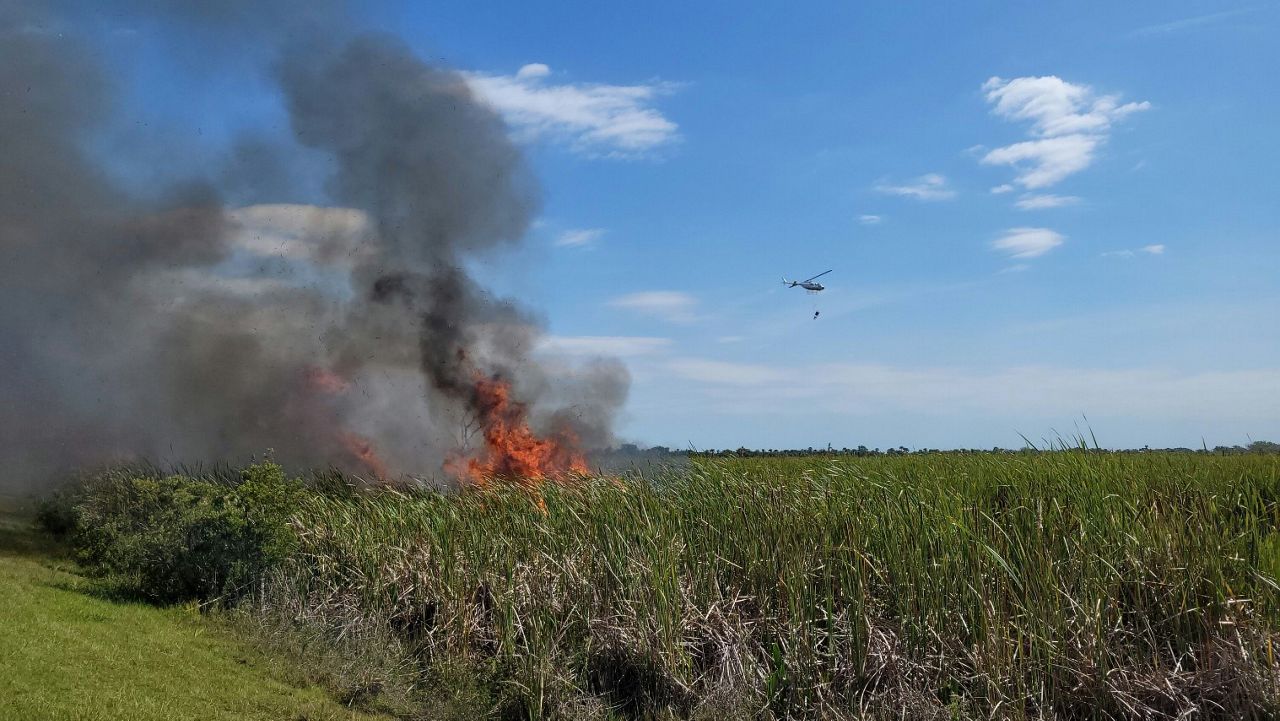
{"x": 511, "y": 449}
{"x": 243, "y": 308}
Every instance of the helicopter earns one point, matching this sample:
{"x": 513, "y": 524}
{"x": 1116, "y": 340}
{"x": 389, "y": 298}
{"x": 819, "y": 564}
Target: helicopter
{"x": 807, "y": 283}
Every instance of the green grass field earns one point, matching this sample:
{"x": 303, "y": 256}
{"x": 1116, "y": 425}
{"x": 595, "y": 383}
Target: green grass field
{"x": 68, "y": 654}
{"x": 1054, "y": 585}
{"x": 1061, "y": 585}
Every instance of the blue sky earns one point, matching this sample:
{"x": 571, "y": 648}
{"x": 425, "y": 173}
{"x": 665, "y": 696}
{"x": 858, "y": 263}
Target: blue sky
{"x": 1034, "y": 213}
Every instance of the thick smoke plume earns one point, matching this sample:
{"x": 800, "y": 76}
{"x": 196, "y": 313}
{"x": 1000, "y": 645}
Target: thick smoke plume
{"x": 204, "y": 321}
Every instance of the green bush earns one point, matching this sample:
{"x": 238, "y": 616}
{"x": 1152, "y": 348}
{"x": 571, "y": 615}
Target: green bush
{"x": 56, "y": 514}
{"x": 175, "y": 538}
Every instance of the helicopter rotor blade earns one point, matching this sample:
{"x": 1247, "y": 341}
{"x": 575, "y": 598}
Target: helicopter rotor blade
{"x": 817, "y": 276}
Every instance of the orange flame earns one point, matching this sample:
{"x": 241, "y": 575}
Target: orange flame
{"x": 325, "y": 381}
{"x": 360, "y": 449}
{"x": 511, "y": 449}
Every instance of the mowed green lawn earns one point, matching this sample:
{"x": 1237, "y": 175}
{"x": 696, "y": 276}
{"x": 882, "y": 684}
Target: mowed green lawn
{"x": 66, "y": 654}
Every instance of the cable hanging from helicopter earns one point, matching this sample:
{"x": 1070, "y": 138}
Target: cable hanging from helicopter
{"x": 810, "y": 285}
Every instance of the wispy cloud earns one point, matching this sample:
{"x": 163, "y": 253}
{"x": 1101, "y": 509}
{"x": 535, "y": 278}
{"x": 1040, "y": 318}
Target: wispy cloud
{"x": 592, "y": 118}
{"x": 1187, "y": 23}
{"x": 1056, "y": 107}
{"x": 310, "y": 233}
{"x": 1045, "y": 162}
{"x": 1026, "y": 391}
{"x": 1003, "y": 188}
{"x": 870, "y": 219}
{"x": 927, "y": 187}
{"x": 599, "y": 345}
{"x": 1040, "y": 202}
{"x": 1154, "y": 249}
{"x": 189, "y": 284}
{"x": 579, "y": 238}
{"x": 1069, "y": 122}
{"x": 1027, "y": 242}
{"x": 670, "y": 305}
{"x": 726, "y": 373}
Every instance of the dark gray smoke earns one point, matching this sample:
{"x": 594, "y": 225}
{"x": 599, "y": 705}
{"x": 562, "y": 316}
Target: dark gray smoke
{"x": 204, "y": 322}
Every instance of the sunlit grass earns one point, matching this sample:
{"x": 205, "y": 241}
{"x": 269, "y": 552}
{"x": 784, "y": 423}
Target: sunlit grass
{"x": 1020, "y": 585}
{"x": 67, "y": 654}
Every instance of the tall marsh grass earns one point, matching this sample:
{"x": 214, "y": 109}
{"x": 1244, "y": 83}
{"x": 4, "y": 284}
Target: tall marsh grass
{"x": 1070, "y": 584}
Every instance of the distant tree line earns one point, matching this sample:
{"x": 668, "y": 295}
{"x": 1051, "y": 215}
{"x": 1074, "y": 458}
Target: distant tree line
{"x": 631, "y": 449}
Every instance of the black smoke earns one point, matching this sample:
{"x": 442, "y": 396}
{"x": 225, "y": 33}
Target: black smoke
{"x": 148, "y": 323}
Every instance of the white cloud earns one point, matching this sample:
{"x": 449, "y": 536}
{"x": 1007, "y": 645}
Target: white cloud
{"x": 669, "y": 305}
{"x": 1039, "y": 202}
{"x": 870, "y": 219}
{"x": 1027, "y": 242}
{"x": 1153, "y": 249}
{"x": 311, "y": 233}
{"x": 726, "y": 373}
{"x": 1190, "y": 22}
{"x": 1024, "y": 391}
{"x": 1055, "y": 106}
{"x": 533, "y": 71}
{"x": 1016, "y": 268}
{"x": 1003, "y": 188}
{"x": 927, "y": 187}
{"x": 593, "y": 118}
{"x": 188, "y": 284}
{"x": 1044, "y": 162}
{"x": 579, "y": 237}
{"x": 597, "y": 345}
{"x": 1069, "y": 123}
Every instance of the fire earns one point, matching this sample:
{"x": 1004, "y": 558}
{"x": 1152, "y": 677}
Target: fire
{"x": 324, "y": 382}
{"x": 362, "y": 450}
{"x": 511, "y": 449}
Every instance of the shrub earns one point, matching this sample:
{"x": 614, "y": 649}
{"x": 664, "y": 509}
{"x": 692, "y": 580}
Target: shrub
{"x": 175, "y": 538}
{"x": 57, "y": 514}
